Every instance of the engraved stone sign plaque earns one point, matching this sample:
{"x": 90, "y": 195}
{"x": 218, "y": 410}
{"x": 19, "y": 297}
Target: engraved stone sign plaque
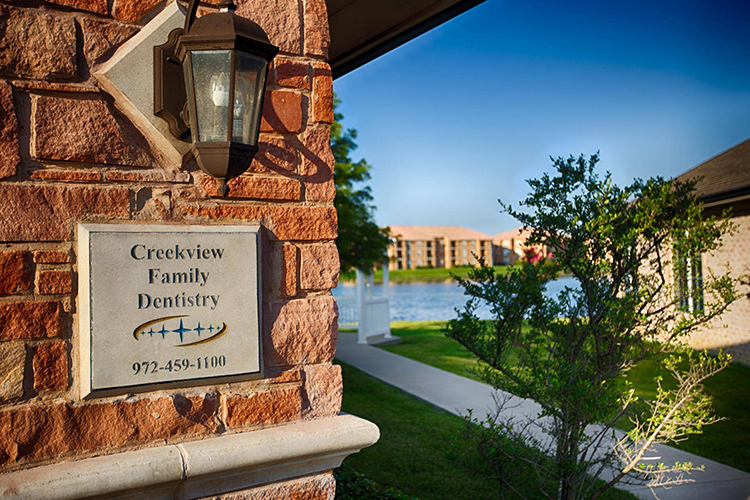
{"x": 167, "y": 306}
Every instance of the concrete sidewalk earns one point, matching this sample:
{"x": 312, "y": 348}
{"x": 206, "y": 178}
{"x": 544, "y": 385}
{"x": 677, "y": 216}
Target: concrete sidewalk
{"x": 458, "y": 394}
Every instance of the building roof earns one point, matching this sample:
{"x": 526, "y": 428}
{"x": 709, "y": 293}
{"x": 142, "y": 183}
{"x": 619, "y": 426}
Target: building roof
{"x": 432, "y": 232}
{"x": 362, "y": 30}
{"x": 517, "y": 233}
{"x": 723, "y": 176}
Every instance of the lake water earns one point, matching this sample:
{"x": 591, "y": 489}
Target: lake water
{"x": 425, "y": 301}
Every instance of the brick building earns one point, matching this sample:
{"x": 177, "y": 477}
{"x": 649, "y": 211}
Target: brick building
{"x": 437, "y": 246}
{"x": 73, "y": 150}
{"x": 69, "y": 153}
{"x": 723, "y": 182}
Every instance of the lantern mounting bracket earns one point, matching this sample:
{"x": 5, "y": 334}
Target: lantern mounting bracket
{"x": 170, "y": 96}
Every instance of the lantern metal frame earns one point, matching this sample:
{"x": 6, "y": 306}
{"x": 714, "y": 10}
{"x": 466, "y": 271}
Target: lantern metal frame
{"x": 174, "y": 94}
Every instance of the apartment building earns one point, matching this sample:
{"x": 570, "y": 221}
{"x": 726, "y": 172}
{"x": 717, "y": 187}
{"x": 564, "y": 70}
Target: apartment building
{"x": 437, "y": 246}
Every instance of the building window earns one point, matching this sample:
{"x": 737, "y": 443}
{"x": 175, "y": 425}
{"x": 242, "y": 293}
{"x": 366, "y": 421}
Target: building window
{"x": 429, "y": 244}
{"x": 419, "y": 253}
{"x": 464, "y": 254}
{"x": 463, "y": 243}
{"x": 400, "y": 265}
{"x": 689, "y": 282}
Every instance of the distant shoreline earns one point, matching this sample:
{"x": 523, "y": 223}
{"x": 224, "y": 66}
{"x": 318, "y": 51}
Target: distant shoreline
{"x": 425, "y": 274}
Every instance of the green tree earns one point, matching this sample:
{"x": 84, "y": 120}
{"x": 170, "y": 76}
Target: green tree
{"x": 361, "y": 243}
{"x": 569, "y": 353}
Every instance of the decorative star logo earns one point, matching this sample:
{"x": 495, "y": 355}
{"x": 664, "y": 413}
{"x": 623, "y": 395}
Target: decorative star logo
{"x": 215, "y": 331}
{"x": 181, "y": 330}
{"x": 198, "y": 329}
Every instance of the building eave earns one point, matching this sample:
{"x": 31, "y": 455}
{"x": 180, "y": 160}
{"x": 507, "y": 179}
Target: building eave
{"x": 358, "y": 36}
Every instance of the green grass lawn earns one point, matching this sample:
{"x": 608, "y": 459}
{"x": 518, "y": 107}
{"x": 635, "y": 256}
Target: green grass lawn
{"x": 422, "y": 274}
{"x": 412, "y": 454}
{"x": 726, "y": 442}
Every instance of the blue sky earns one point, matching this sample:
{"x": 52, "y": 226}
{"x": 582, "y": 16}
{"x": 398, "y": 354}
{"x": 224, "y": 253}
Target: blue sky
{"x": 464, "y": 114}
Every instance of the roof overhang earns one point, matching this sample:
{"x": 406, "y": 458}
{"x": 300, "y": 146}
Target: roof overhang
{"x": 362, "y": 30}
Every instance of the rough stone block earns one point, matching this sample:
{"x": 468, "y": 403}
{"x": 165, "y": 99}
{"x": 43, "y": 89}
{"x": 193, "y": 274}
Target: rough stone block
{"x": 132, "y": 11}
{"x": 319, "y": 267}
{"x": 255, "y": 187}
{"x": 271, "y": 407}
{"x": 280, "y": 19}
{"x": 317, "y": 165}
{"x": 322, "y": 94}
{"x": 51, "y": 257}
{"x": 320, "y": 487}
{"x": 58, "y": 430}
{"x": 274, "y": 155}
{"x": 324, "y": 388}
{"x": 282, "y": 112}
{"x": 51, "y": 367}
{"x": 317, "y": 34}
{"x": 99, "y": 36}
{"x": 53, "y": 174}
{"x": 9, "y": 154}
{"x": 15, "y": 272}
{"x": 323, "y": 191}
{"x": 54, "y": 282}
{"x": 285, "y": 376}
{"x": 293, "y": 74}
{"x": 154, "y": 204}
{"x": 153, "y": 175}
{"x": 12, "y": 362}
{"x": 317, "y": 157}
{"x": 284, "y": 260}
{"x": 34, "y": 44}
{"x": 44, "y": 213}
{"x": 84, "y": 130}
{"x": 284, "y": 222}
{"x": 98, "y": 6}
{"x": 303, "y": 331}
{"x": 290, "y": 256}
{"x": 28, "y": 320}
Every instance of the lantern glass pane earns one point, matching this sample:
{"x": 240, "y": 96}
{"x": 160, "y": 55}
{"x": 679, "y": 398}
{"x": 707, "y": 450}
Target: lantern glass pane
{"x": 250, "y": 76}
{"x": 211, "y": 81}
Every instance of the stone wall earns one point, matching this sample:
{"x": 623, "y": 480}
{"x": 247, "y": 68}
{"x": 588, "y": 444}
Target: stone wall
{"x": 731, "y": 332}
{"x": 68, "y": 155}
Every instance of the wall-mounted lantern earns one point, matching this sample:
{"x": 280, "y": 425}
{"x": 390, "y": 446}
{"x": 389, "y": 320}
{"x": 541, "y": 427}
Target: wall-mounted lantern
{"x": 209, "y": 83}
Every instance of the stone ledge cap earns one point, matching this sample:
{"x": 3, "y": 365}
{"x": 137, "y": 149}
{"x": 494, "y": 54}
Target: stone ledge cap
{"x": 207, "y": 467}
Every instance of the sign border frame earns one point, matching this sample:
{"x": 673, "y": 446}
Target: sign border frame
{"x": 84, "y": 297}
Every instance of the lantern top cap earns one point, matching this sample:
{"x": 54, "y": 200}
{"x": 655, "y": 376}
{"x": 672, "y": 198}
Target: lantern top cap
{"x": 227, "y": 5}
{"x": 226, "y": 30}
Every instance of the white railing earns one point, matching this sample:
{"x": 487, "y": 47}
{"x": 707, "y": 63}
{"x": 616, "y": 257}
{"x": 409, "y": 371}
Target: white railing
{"x": 377, "y": 317}
{"x": 373, "y": 312}
{"x": 347, "y": 312}
{"x": 370, "y": 315}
